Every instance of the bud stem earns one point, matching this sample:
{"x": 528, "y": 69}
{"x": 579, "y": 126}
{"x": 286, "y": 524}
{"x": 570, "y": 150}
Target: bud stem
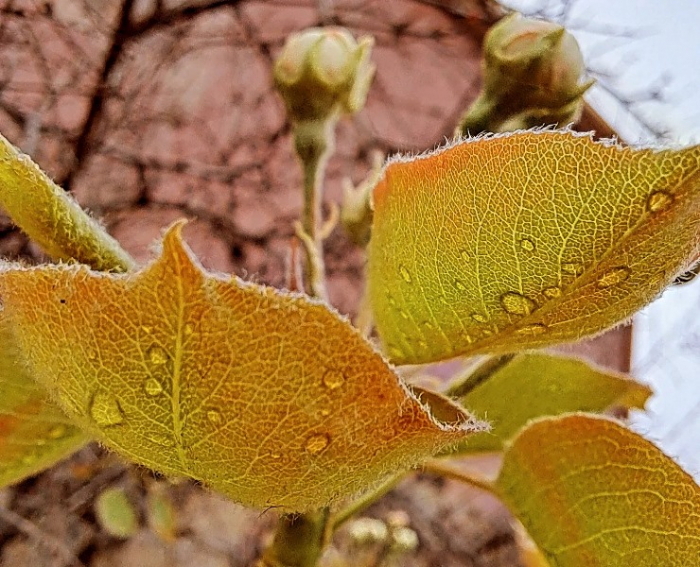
{"x": 314, "y": 141}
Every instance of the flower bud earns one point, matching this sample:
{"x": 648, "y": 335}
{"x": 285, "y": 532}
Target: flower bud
{"x": 532, "y": 77}
{"x": 323, "y": 71}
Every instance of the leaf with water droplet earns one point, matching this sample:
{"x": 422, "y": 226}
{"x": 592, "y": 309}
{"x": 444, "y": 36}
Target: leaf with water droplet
{"x": 542, "y": 385}
{"x": 34, "y": 433}
{"x": 246, "y": 372}
{"x": 590, "y": 492}
{"x": 560, "y": 232}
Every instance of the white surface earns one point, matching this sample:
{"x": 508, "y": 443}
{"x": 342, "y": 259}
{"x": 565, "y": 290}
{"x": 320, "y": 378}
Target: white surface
{"x": 661, "y": 51}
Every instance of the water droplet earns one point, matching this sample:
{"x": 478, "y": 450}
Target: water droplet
{"x": 405, "y": 274}
{"x": 276, "y": 456}
{"x": 91, "y": 355}
{"x": 153, "y": 387}
{"x": 534, "y": 329}
{"x": 614, "y": 276}
{"x": 572, "y": 268}
{"x": 105, "y": 409}
{"x": 517, "y": 304}
{"x": 403, "y": 314}
{"x": 527, "y": 245}
{"x": 480, "y": 318}
{"x": 552, "y": 292}
{"x": 317, "y": 443}
{"x": 214, "y": 416}
{"x": 57, "y": 431}
{"x": 325, "y": 412}
{"x": 333, "y": 379}
{"x": 146, "y": 330}
{"x": 464, "y": 255}
{"x": 460, "y": 286}
{"x": 188, "y": 330}
{"x": 157, "y": 355}
{"x": 658, "y": 201}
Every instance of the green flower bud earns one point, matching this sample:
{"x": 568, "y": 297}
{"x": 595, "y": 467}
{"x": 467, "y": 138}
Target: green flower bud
{"x": 323, "y": 71}
{"x": 533, "y": 74}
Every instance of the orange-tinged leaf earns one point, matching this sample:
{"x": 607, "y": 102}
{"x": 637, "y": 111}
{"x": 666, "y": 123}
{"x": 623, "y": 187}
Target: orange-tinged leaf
{"x": 524, "y": 240}
{"x": 34, "y": 433}
{"x": 544, "y": 385}
{"x": 268, "y": 397}
{"x": 591, "y": 493}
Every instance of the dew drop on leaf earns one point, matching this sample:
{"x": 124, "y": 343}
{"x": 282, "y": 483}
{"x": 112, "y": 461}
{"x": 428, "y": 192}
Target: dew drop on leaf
{"x": 552, "y": 292}
{"x": 464, "y": 255}
{"x": 333, "y": 379}
{"x": 214, "y": 416}
{"x": 527, "y": 245}
{"x": 403, "y": 314}
{"x": 157, "y": 355}
{"x": 460, "y": 286}
{"x": 105, "y": 409}
{"x": 317, "y": 443}
{"x": 614, "y": 276}
{"x": 658, "y": 201}
{"x": 534, "y": 329}
{"x": 405, "y": 274}
{"x": 480, "y": 318}
{"x": 517, "y": 304}
{"x": 153, "y": 387}
{"x": 57, "y": 431}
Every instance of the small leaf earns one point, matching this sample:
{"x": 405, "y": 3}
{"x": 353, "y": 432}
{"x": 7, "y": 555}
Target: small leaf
{"x": 34, "y": 433}
{"x": 543, "y": 385}
{"x": 51, "y": 217}
{"x": 592, "y": 493}
{"x": 525, "y": 240}
{"x": 116, "y": 513}
{"x": 268, "y": 397}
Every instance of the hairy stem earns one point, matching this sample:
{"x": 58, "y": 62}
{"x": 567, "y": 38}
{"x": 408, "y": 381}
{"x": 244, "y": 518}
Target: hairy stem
{"x": 299, "y": 540}
{"x": 313, "y": 142}
{"x": 439, "y": 468}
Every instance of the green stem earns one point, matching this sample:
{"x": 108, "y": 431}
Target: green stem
{"x": 52, "y": 218}
{"x": 441, "y": 469}
{"x": 299, "y": 540}
{"x": 463, "y": 385}
{"x": 313, "y": 142}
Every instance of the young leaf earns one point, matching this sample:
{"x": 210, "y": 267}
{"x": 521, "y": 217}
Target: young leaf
{"x": 34, "y": 434}
{"x": 116, "y": 513}
{"x": 266, "y": 396}
{"x": 590, "y": 492}
{"x": 51, "y": 217}
{"x": 524, "y": 240}
{"x": 545, "y": 385}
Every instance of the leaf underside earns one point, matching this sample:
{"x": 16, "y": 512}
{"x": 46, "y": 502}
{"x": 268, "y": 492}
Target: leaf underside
{"x": 539, "y": 385}
{"x": 266, "y": 396}
{"x": 591, "y": 493}
{"x": 525, "y": 240}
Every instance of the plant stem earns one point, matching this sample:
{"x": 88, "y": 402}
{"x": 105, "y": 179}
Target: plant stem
{"x": 437, "y": 467}
{"x": 463, "y": 385}
{"x": 299, "y": 540}
{"x": 314, "y": 142}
